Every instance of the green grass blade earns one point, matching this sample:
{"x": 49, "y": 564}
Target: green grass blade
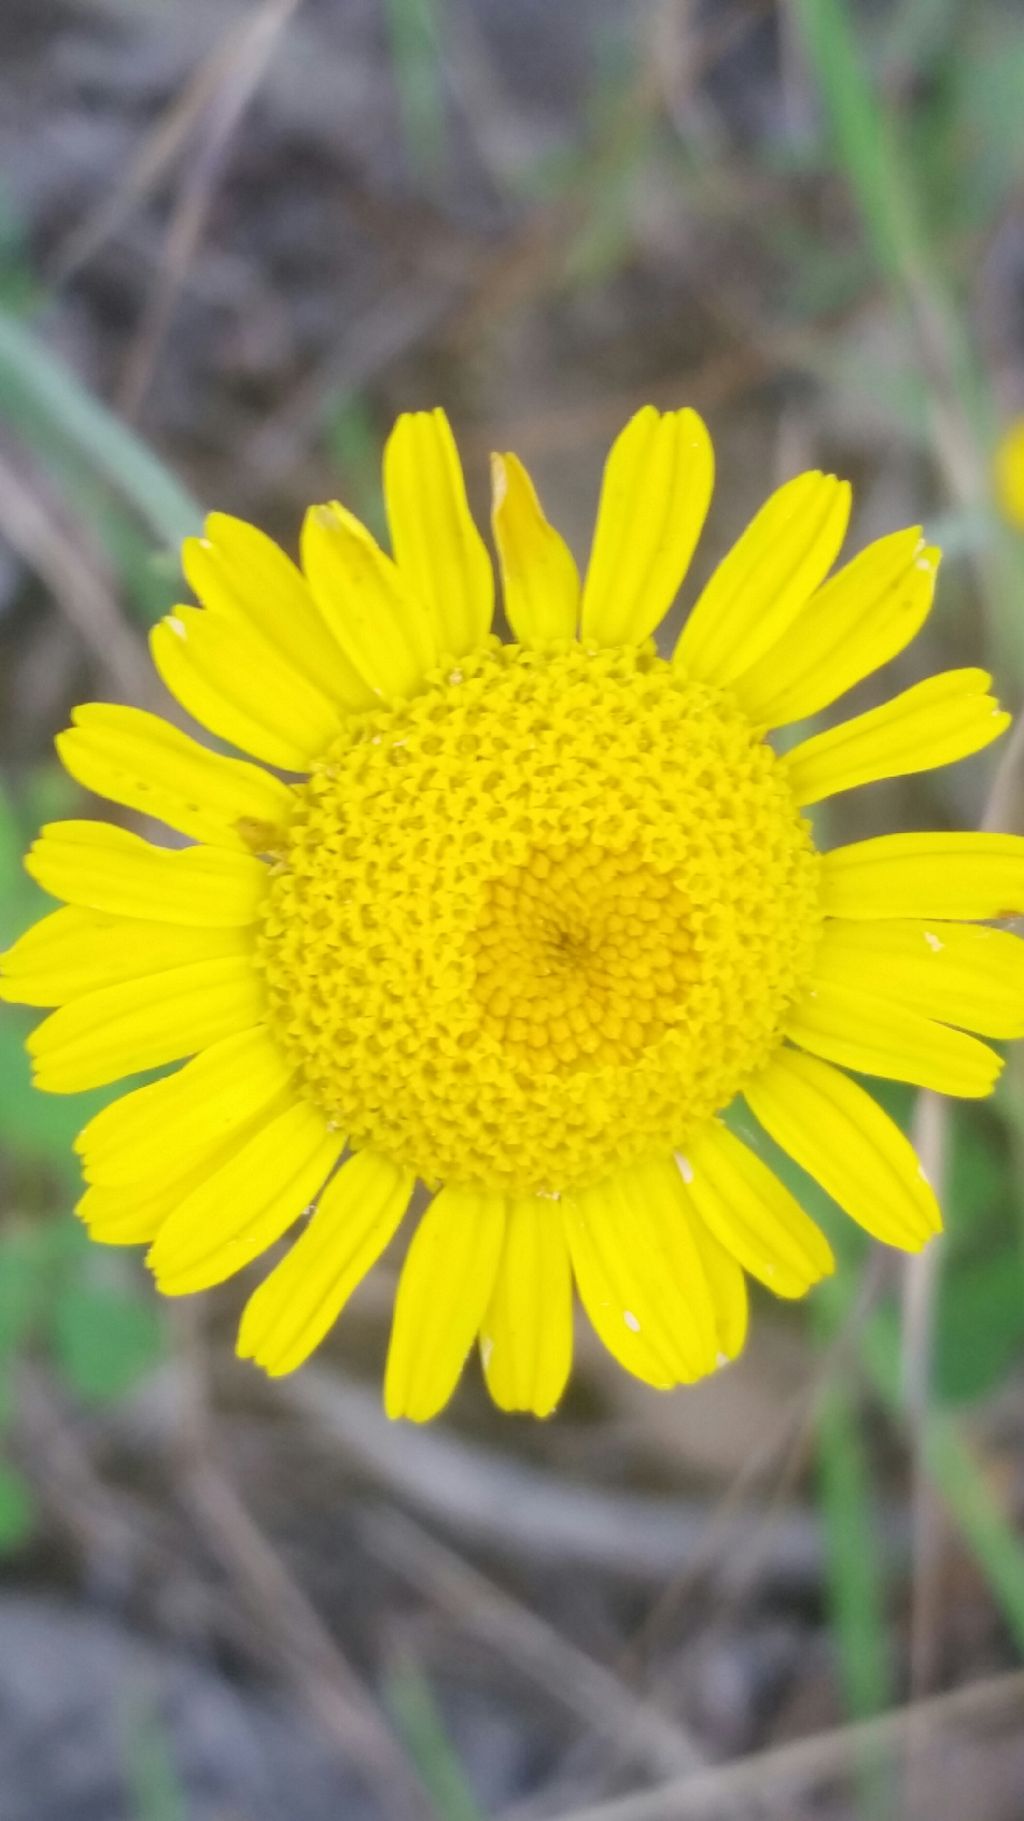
{"x": 883, "y": 184}
{"x": 855, "y": 1583}
{"x": 855, "y": 1592}
{"x": 959, "y": 1478}
{"x": 859, "y": 128}
{"x": 419, "y": 1722}
{"x": 414, "y": 29}
{"x": 150, "y": 1772}
{"x": 47, "y": 405}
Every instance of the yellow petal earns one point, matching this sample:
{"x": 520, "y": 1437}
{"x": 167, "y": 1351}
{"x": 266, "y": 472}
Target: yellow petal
{"x": 836, "y": 1132}
{"x": 869, "y": 1033}
{"x": 383, "y": 628}
{"x": 358, "y": 1214}
{"x": 243, "y": 1207}
{"x": 540, "y": 580}
{"x": 758, "y": 589}
{"x": 526, "y": 1338}
{"x": 240, "y": 574}
{"x": 203, "y": 1104}
{"x": 441, "y": 555}
{"x": 654, "y": 500}
{"x": 140, "y": 760}
{"x": 640, "y": 1274}
{"x": 926, "y": 875}
{"x": 72, "y": 952}
{"x": 102, "y": 868}
{"x": 944, "y": 718}
{"x": 129, "y": 1212}
{"x": 961, "y": 973}
{"x": 232, "y": 682}
{"x": 753, "y": 1214}
{"x": 728, "y": 1288}
{"x": 144, "y": 1024}
{"x": 132, "y": 1214}
{"x": 853, "y": 625}
{"x": 444, "y": 1289}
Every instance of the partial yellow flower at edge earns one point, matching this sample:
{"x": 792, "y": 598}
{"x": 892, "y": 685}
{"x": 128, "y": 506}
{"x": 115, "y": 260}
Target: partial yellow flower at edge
{"x": 520, "y": 921}
{"x": 1008, "y": 473}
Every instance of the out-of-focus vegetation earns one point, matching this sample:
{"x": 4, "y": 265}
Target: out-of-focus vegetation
{"x": 235, "y": 239}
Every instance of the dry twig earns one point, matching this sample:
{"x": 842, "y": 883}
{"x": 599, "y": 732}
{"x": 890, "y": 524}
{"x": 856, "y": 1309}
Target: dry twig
{"x": 505, "y": 1502}
{"x": 36, "y": 529}
{"x": 243, "y": 72}
{"x": 594, "y": 1694}
{"x": 789, "y": 1774}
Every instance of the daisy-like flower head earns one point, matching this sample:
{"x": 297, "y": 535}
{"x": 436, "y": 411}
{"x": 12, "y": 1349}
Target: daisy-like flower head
{"x": 519, "y": 920}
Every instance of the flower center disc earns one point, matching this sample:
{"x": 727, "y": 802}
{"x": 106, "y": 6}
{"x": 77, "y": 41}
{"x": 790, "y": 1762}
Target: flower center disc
{"x": 540, "y": 920}
{"x": 583, "y": 957}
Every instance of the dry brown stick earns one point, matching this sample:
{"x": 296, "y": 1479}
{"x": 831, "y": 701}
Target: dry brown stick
{"x": 929, "y": 1525}
{"x": 105, "y": 1526}
{"x": 35, "y": 529}
{"x": 922, "y": 1278}
{"x": 243, "y": 72}
{"x": 789, "y": 1445}
{"x": 790, "y": 1773}
{"x": 593, "y": 1693}
{"x": 540, "y": 1515}
{"x": 307, "y": 88}
{"x": 60, "y": 1466}
{"x": 301, "y": 1642}
{"x": 397, "y": 321}
{"x": 788, "y": 1448}
{"x": 167, "y": 139}
{"x": 1004, "y": 808}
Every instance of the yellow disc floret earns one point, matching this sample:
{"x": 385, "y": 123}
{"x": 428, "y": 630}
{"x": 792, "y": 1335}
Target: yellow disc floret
{"x": 584, "y": 957}
{"x": 541, "y": 919}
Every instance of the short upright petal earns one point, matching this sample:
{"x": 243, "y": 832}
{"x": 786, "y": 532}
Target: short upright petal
{"x": 654, "y": 500}
{"x": 357, "y": 1216}
{"x": 526, "y": 1338}
{"x": 540, "y": 580}
{"x": 437, "y": 546}
{"x": 947, "y": 717}
{"x": 443, "y": 1292}
{"x": 836, "y": 1132}
{"x": 759, "y": 588}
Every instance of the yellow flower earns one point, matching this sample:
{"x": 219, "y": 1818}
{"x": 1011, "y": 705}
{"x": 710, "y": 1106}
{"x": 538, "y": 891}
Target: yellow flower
{"x": 520, "y": 920}
{"x": 1008, "y": 473}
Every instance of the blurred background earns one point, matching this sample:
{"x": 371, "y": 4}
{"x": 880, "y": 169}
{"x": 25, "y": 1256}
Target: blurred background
{"x": 236, "y": 237}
